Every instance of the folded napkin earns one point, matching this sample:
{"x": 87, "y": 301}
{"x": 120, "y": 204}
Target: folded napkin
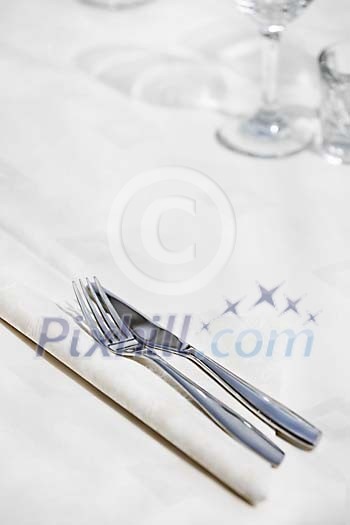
{"x": 141, "y": 392}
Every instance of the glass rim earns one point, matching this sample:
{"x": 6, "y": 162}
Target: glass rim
{"x": 326, "y": 69}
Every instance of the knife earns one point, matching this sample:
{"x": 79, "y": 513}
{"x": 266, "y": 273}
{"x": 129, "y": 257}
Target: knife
{"x": 286, "y": 423}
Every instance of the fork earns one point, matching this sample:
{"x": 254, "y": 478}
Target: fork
{"x": 108, "y": 330}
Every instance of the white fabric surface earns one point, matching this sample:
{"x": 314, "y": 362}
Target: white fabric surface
{"x": 68, "y": 141}
{"x": 133, "y": 386}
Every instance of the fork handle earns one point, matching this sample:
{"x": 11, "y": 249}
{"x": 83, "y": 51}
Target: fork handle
{"x": 233, "y": 424}
{"x": 286, "y": 423}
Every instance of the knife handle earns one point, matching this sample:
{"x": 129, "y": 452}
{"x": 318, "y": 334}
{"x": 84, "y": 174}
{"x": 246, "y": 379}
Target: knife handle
{"x": 286, "y": 423}
{"x": 233, "y": 424}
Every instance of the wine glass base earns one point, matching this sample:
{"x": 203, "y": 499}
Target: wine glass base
{"x": 115, "y": 4}
{"x": 254, "y": 137}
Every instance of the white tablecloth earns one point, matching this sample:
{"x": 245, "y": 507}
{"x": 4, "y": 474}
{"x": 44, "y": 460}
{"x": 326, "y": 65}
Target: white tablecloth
{"x": 68, "y": 145}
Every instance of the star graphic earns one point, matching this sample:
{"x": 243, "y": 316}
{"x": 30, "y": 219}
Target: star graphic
{"x": 232, "y": 307}
{"x": 267, "y": 295}
{"x": 292, "y": 306}
{"x": 312, "y": 318}
{"x": 205, "y": 327}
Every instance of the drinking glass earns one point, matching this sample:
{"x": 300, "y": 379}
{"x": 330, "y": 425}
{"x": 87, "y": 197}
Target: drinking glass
{"x": 271, "y": 132}
{"x": 115, "y": 4}
{"x": 335, "y": 108}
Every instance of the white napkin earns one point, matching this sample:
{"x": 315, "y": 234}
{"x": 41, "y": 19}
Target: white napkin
{"x": 142, "y": 393}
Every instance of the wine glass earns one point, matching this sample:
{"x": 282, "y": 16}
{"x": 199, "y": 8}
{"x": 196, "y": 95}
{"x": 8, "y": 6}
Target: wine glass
{"x": 114, "y": 4}
{"x": 271, "y": 132}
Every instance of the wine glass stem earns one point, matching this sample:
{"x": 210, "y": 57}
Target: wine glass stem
{"x": 270, "y": 62}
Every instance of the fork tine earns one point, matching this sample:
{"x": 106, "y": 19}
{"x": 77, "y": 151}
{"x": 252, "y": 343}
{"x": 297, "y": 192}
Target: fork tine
{"x": 111, "y": 310}
{"x": 96, "y": 314}
{"x": 89, "y": 319}
{"x": 112, "y": 326}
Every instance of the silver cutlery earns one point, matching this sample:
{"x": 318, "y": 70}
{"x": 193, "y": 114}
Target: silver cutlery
{"x": 107, "y": 328}
{"x": 285, "y": 422}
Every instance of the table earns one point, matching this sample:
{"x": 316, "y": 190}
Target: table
{"x": 68, "y": 454}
